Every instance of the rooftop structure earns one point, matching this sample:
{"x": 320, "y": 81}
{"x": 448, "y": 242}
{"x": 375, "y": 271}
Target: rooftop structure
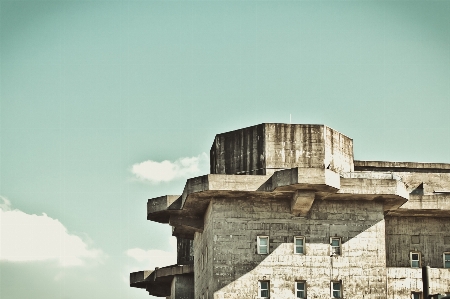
{"x": 288, "y": 213}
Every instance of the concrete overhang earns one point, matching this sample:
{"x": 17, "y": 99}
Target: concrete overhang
{"x": 430, "y": 205}
{"x": 158, "y": 282}
{"x": 299, "y": 178}
{"x": 160, "y": 208}
{"x": 299, "y": 185}
{"x": 391, "y": 192}
{"x": 222, "y": 182}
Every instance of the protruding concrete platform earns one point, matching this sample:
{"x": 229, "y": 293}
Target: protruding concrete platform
{"x": 301, "y": 186}
{"x": 159, "y": 281}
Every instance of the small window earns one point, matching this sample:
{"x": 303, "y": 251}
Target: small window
{"x": 415, "y": 259}
{"x": 300, "y": 289}
{"x": 335, "y": 246}
{"x": 446, "y": 259}
{"x": 299, "y": 243}
{"x": 416, "y": 295}
{"x": 263, "y": 245}
{"x": 336, "y": 289}
{"x": 263, "y": 289}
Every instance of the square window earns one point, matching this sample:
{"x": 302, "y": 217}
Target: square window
{"x": 416, "y": 295}
{"x": 263, "y": 289}
{"x": 263, "y": 245}
{"x": 299, "y": 243}
{"x": 336, "y": 289}
{"x": 415, "y": 259}
{"x": 300, "y": 289}
{"x": 446, "y": 259}
{"x": 335, "y": 246}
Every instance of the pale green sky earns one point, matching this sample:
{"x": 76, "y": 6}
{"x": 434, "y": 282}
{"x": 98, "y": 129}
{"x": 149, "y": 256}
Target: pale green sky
{"x": 90, "y": 88}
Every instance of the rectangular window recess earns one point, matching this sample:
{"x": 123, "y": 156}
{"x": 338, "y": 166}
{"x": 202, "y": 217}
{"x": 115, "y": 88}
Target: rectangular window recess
{"x": 263, "y": 244}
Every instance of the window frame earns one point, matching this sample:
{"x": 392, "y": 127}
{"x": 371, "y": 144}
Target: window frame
{"x": 416, "y": 293}
{"x": 446, "y": 260}
{"x": 297, "y": 289}
{"x": 419, "y": 260}
{"x": 258, "y": 244}
{"x": 302, "y": 246}
{"x": 260, "y": 289}
{"x": 332, "y": 251}
{"x": 333, "y": 290}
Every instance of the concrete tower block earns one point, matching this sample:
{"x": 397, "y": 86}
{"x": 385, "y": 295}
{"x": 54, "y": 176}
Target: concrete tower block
{"x": 266, "y": 148}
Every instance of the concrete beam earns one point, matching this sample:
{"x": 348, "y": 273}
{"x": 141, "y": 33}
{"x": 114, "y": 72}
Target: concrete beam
{"x": 301, "y": 202}
{"x": 194, "y": 223}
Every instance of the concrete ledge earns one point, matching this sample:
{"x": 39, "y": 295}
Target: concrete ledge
{"x": 373, "y": 187}
{"x": 401, "y": 166}
{"x": 140, "y": 279}
{"x": 157, "y": 208}
{"x": 316, "y": 179}
{"x": 436, "y": 205}
{"x": 222, "y": 182}
{"x": 160, "y": 203}
{"x": 158, "y": 282}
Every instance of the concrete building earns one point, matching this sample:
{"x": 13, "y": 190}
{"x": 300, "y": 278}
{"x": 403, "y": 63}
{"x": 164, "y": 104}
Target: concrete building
{"x": 288, "y": 213}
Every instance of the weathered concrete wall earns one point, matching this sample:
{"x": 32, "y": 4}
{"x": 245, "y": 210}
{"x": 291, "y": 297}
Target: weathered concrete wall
{"x": 236, "y": 267}
{"x": 432, "y": 239}
{"x": 182, "y": 287}
{"x": 403, "y": 281}
{"x": 431, "y": 181}
{"x": 203, "y": 251}
{"x": 265, "y": 148}
{"x": 338, "y": 151}
{"x": 434, "y": 176}
{"x": 240, "y": 151}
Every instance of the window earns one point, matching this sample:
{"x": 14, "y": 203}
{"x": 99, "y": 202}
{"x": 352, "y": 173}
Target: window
{"x": 446, "y": 259}
{"x": 416, "y": 295}
{"x": 335, "y": 246}
{"x": 415, "y": 259}
{"x": 263, "y": 245}
{"x": 300, "y": 289}
{"x": 336, "y": 289}
{"x": 299, "y": 243}
{"x": 263, "y": 289}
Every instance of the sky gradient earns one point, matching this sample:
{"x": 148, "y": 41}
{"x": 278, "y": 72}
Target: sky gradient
{"x": 95, "y": 95}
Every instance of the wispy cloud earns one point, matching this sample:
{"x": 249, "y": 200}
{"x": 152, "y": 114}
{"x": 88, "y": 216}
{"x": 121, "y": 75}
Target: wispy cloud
{"x": 25, "y": 237}
{"x": 166, "y": 171}
{"x": 155, "y": 258}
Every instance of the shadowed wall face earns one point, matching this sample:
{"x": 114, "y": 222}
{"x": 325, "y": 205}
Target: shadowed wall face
{"x": 265, "y": 148}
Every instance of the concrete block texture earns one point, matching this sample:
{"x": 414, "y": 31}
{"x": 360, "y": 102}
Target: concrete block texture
{"x": 236, "y": 267}
{"x": 265, "y": 148}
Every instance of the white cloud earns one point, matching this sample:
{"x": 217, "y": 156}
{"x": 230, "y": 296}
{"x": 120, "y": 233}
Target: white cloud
{"x": 155, "y": 258}
{"x": 25, "y": 237}
{"x": 166, "y": 171}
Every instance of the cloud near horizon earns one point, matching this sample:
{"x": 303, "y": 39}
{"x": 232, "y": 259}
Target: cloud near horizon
{"x": 27, "y": 238}
{"x": 155, "y": 257}
{"x": 166, "y": 171}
